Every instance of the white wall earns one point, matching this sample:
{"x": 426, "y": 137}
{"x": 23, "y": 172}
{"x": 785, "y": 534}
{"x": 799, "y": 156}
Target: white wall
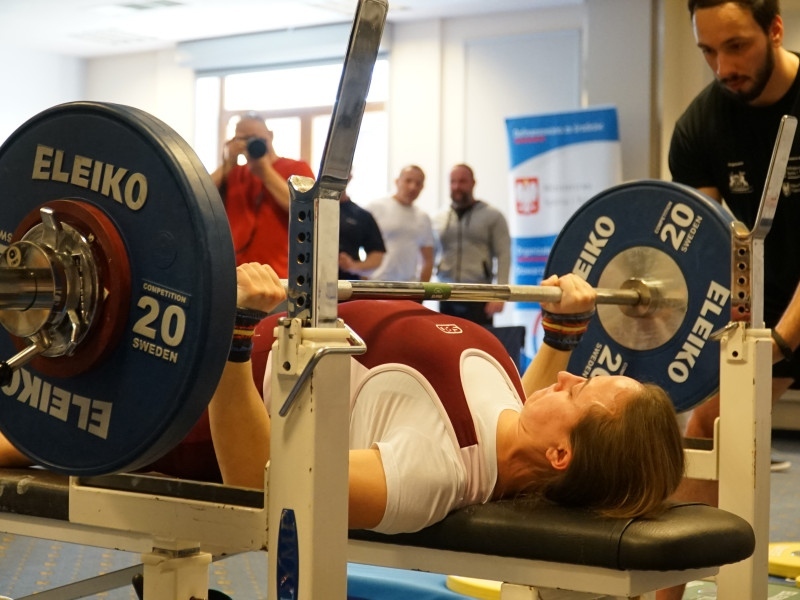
{"x": 150, "y": 81}
{"x": 415, "y": 106}
{"x": 459, "y": 90}
{"x": 428, "y": 80}
{"x": 620, "y": 70}
{"x": 34, "y": 81}
{"x": 428, "y": 107}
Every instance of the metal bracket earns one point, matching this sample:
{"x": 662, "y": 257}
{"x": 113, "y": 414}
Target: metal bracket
{"x": 747, "y": 247}
{"x": 314, "y": 219}
{"x": 357, "y": 346}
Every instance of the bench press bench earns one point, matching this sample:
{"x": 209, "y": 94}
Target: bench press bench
{"x": 518, "y": 541}
{"x": 547, "y": 546}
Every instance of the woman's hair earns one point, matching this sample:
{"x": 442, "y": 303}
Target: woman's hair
{"x": 625, "y": 463}
{"x": 764, "y": 11}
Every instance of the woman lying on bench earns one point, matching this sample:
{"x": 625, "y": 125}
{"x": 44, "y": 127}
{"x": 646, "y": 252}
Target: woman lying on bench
{"x": 438, "y": 419}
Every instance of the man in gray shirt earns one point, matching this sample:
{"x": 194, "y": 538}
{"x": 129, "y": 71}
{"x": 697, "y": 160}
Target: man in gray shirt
{"x": 474, "y": 244}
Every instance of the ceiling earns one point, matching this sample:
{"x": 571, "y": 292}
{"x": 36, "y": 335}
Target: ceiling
{"x": 90, "y": 28}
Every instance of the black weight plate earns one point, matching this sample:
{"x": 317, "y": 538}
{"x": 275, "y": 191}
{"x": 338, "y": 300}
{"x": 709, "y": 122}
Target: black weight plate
{"x": 150, "y": 390}
{"x": 673, "y": 237}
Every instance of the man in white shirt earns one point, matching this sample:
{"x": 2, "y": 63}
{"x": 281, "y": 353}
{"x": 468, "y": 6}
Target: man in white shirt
{"x": 406, "y": 229}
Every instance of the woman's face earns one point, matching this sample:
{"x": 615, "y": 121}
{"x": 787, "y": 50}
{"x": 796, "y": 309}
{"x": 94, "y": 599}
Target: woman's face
{"x": 550, "y": 414}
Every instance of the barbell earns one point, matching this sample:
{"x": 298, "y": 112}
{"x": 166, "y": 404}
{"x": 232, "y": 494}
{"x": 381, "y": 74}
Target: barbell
{"x": 118, "y": 289}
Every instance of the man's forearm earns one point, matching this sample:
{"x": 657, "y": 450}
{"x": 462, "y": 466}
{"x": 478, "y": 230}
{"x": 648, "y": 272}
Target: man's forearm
{"x": 276, "y": 185}
{"x": 426, "y": 272}
{"x": 371, "y": 262}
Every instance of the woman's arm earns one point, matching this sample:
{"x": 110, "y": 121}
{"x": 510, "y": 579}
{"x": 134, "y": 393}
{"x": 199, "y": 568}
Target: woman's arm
{"x": 543, "y": 369}
{"x": 577, "y": 297}
{"x": 10, "y": 457}
{"x": 240, "y": 427}
{"x": 368, "y": 492}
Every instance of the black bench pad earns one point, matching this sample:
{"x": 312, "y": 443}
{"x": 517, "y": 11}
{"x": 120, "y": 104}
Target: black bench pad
{"x": 34, "y": 493}
{"x": 686, "y": 536}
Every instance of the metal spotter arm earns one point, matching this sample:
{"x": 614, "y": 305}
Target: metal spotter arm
{"x": 745, "y": 388}
{"x": 307, "y": 483}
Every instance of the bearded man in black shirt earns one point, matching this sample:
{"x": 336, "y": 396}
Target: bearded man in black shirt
{"x": 722, "y": 145}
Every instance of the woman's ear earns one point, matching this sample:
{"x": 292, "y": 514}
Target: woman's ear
{"x": 559, "y": 457}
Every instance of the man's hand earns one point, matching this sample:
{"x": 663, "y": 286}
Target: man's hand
{"x": 346, "y": 262}
{"x": 492, "y": 308}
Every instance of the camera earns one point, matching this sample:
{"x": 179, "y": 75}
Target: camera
{"x": 256, "y": 147}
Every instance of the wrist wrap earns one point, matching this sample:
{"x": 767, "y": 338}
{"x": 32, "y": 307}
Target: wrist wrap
{"x": 243, "y": 329}
{"x": 564, "y": 331}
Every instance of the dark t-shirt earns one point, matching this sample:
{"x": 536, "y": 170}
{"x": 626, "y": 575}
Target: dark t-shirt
{"x": 723, "y": 143}
{"x": 357, "y": 229}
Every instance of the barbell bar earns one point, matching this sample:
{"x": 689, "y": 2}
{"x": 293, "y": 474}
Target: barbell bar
{"x": 24, "y": 289}
{"x": 31, "y": 288}
{"x": 637, "y": 293}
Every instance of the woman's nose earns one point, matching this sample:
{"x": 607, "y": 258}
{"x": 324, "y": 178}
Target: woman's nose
{"x": 566, "y": 379}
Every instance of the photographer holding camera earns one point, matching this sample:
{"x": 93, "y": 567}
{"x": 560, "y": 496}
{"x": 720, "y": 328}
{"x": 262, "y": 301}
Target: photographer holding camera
{"x": 256, "y": 194}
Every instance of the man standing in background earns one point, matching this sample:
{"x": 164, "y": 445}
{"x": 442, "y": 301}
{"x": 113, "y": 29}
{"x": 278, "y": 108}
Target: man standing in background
{"x": 406, "y": 229}
{"x": 256, "y": 194}
{"x": 361, "y": 248}
{"x": 475, "y": 246}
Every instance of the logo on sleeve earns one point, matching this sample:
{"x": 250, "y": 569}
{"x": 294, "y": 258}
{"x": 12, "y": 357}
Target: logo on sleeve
{"x": 449, "y": 328}
{"x": 737, "y": 182}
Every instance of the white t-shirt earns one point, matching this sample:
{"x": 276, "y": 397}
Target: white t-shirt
{"x": 405, "y": 229}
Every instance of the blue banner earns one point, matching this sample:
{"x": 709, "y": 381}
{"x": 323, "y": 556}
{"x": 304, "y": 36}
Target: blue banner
{"x": 558, "y": 162}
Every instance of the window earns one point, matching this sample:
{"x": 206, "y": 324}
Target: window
{"x": 297, "y": 103}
